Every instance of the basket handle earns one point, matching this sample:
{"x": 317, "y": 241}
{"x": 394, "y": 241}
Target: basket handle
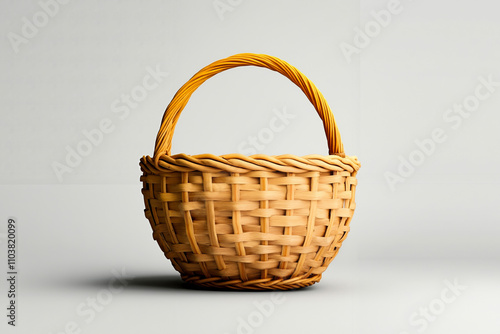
{"x": 170, "y": 117}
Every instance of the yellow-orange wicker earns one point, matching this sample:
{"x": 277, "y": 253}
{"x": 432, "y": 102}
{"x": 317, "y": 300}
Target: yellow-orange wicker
{"x": 249, "y": 222}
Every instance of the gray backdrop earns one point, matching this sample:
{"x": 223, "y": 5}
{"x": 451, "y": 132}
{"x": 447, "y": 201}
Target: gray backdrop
{"x": 415, "y": 89}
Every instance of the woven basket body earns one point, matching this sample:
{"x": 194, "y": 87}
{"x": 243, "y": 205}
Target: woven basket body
{"x": 259, "y": 222}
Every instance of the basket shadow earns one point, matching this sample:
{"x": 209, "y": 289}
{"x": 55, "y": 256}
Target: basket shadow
{"x": 158, "y": 282}
{"x": 172, "y": 282}
{"x": 167, "y": 282}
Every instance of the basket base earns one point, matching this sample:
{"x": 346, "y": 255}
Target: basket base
{"x": 256, "y": 285}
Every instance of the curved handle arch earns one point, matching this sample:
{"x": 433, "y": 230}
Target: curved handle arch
{"x": 171, "y": 116}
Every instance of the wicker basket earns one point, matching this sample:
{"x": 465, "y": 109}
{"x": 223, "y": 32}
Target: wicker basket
{"x": 249, "y": 223}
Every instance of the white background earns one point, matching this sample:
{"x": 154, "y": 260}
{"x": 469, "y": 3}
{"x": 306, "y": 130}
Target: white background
{"x": 441, "y": 223}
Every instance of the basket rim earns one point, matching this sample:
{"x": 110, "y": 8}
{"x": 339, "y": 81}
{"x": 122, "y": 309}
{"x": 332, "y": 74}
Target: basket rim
{"x": 239, "y": 163}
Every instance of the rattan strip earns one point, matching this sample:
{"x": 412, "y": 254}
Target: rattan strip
{"x": 264, "y": 222}
{"x": 209, "y": 204}
{"x": 189, "y": 226}
{"x": 290, "y": 190}
{"x": 236, "y": 218}
{"x": 310, "y": 227}
{"x": 169, "y": 221}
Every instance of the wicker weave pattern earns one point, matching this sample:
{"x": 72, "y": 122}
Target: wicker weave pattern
{"x": 273, "y": 228}
{"x": 259, "y": 222}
